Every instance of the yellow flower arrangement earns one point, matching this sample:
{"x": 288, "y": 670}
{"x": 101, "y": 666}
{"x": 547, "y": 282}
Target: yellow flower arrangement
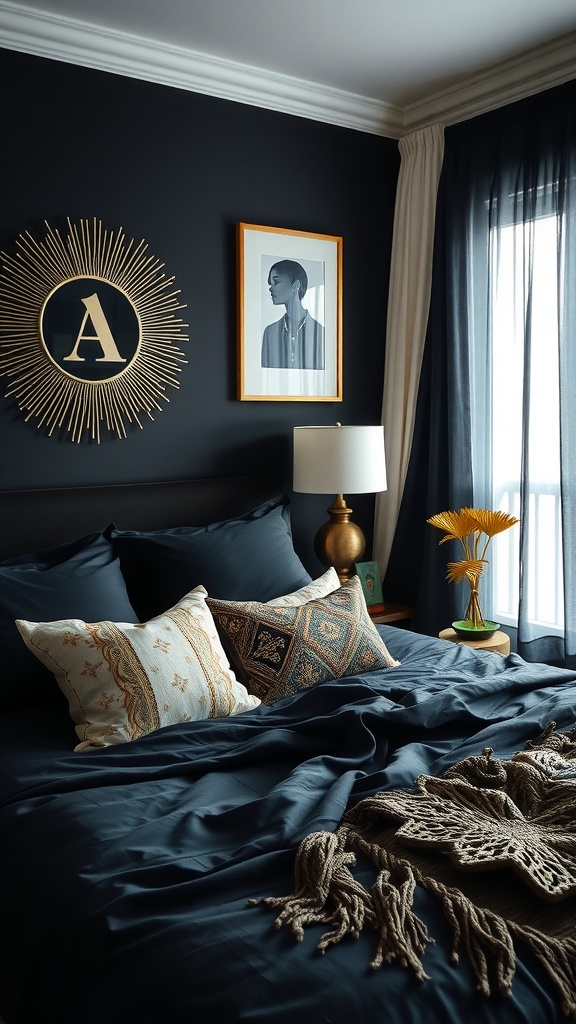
{"x": 468, "y": 526}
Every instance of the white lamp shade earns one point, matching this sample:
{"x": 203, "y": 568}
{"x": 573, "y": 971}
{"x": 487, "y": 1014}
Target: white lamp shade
{"x": 339, "y": 460}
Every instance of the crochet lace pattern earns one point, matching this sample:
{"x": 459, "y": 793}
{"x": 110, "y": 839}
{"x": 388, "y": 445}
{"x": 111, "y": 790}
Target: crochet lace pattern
{"x": 493, "y": 840}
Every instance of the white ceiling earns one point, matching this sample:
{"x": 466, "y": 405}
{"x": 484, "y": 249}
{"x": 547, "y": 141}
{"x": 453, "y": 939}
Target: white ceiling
{"x": 395, "y": 63}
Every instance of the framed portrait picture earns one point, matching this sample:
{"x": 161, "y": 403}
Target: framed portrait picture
{"x": 289, "y": 315}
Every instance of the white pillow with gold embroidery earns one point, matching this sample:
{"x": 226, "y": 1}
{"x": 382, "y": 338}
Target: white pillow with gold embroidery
{"x": 124, "y": 680}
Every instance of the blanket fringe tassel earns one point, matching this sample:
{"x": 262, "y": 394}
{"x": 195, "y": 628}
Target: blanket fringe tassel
{"x": 326, "y": 892}
{"x": 559, "y": 959}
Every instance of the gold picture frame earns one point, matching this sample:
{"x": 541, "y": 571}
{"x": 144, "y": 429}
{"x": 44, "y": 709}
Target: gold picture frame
{"x": 289, "y": 315}
{"x": 88, "y": 330}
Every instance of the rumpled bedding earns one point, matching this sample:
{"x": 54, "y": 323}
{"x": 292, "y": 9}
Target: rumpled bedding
{"x": 127, "y": 871}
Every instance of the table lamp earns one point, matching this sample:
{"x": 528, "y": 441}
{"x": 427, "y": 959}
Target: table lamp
{"x": 338, "y": 460}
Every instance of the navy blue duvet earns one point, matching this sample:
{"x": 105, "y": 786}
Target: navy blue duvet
{"x": 126, "y": 871}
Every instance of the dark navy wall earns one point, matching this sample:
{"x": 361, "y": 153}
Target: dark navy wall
{"x": 180, "y": 170}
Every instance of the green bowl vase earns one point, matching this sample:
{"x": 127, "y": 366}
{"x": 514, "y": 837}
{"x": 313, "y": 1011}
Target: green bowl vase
{"x": 468, "y": 632}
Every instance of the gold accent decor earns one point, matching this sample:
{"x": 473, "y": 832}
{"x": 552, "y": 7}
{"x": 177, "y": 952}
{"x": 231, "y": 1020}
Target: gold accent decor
{"x": 339, "y": 460}
{"x": 340, "y": 542}
{"x": 289, "y": 315}
{"x": 468, "y": 525}
{"x": 88, "y": 330}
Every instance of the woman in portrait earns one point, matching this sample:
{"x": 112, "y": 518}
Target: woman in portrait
{"x": 296, "y": 341}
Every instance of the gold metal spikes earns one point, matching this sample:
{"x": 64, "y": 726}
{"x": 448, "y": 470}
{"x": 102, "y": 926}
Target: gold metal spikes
{"x": 95, "y": 373}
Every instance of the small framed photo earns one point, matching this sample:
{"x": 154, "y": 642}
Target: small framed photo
{"x": 289, "y": 315}
{"x": 369, "y": 577}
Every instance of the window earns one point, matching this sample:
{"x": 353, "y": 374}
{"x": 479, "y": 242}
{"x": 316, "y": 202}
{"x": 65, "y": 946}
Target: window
{"x": 523, "y": 374}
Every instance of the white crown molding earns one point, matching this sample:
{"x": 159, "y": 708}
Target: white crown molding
{"x": 540, "y": 68}
{"x": 75, "y": 42}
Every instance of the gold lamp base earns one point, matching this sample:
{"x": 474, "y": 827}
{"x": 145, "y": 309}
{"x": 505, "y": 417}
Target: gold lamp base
{"x": 340, "y": 542}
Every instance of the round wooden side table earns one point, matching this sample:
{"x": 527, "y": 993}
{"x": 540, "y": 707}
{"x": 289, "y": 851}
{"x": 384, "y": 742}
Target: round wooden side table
{"x": 499, "y": 642}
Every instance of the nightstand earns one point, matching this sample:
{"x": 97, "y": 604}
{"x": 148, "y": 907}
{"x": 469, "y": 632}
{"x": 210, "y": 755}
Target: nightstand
{"x": 499, "y": 642}
{"x": 395, "y": 613}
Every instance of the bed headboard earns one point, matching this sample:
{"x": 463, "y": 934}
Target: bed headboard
{"x": 35, "y": 519}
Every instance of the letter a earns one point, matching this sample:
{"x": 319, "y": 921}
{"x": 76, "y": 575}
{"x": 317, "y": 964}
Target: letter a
{"x": 103, "y": 334}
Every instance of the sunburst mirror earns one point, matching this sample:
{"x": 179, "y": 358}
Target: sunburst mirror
{"x": 88, "y": 330}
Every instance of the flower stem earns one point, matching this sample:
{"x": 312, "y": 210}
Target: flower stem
{"x": 473, "y": 614}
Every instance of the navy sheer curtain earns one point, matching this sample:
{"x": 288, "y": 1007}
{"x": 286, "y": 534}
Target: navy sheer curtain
{"x": 503, "y": 167}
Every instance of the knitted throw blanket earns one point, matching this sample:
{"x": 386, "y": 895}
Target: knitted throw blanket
{"x": 494, "y": 841}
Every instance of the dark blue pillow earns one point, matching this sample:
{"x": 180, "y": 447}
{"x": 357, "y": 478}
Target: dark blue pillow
{"x": 250, "y": 558}
{"x": 77, "y": 580}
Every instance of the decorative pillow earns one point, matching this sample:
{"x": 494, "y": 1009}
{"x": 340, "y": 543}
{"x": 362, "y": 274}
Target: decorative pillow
{"x": 278, "y": 650}
{"x": 249, "y": 558}
{"x": 80, "y": 578}
{"x": 320, "y": 587}
{"x": 123, "y": 681}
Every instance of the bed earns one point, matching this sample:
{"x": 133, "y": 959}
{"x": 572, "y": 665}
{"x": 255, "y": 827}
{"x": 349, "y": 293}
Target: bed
{"x": 296, "y": 816}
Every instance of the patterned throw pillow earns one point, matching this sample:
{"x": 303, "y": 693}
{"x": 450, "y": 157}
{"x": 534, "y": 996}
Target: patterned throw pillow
{"x": 123, "y": 681}
{"x": 278, "y": 650}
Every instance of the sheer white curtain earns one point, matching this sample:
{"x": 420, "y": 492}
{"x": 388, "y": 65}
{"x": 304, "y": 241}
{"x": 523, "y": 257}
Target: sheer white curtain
{"x": 495, "y": 423}
{"x": 408, "y": 304}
